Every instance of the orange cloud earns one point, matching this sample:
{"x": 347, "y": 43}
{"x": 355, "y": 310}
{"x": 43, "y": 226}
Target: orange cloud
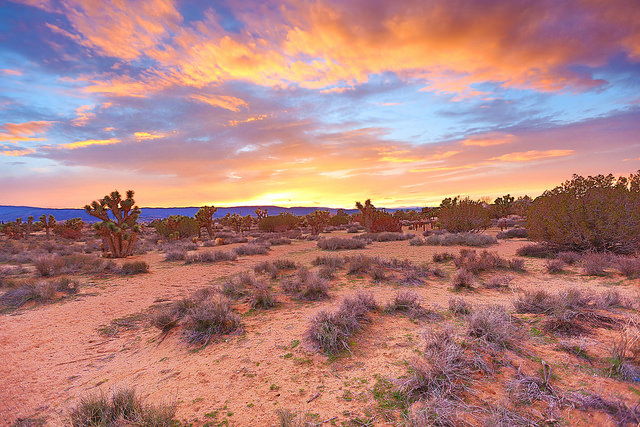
{"x": 527, "y": 156}
{"x": 16, "y": 132}
{"x": 227, "y": 102}
{"x": 17, "y": 153}
{"x": 84, "y": 114}
{"x": 89, "y": 142}
{"x": 489, "y": 139}
{"x": 143, "y": 136}
{"x": 247, "y": 120}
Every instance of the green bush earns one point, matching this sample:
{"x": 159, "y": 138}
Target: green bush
{"x": 459, "y": 215}
{"x": 177, "y": 227}
{"x": 600, "y": 213}
{"x": 282, "y": 222}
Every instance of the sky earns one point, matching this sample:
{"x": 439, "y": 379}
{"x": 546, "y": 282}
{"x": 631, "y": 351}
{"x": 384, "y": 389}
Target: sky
{"x": 315, "y": 103}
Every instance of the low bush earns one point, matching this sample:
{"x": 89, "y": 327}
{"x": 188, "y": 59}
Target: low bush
{"x": 513, "y": 233}
{"x": 52, "y": 265}
{"x": 262, "y": 297}
{"x": 123, "y": 407}
{"x": 307, "y": 285}
{"x": 237, "y": 286}
{"x": 554, "y": 266}
{"x": 331, "y": 261}
{"x": 338, "y": 243}
{"x": 459, "y": 306}
{"x": 493, "y": 324}
{"x": 569, "y": 258}
{"x": 210, "y": 256}
{"x": 485, "y": 261}
{"x": 251, "y": 249}
{"x": 41, "y": 291}
{"x": 134, "y": 267}
{"x": 386, "y": 236}
{"x": 175, "y": 255}
{"x": 500, "y": 281}
{"x": 417, "y": 241}
{"x": 443, "y": 256}
{"x": 360, "y": 264}
{"x": 330, "y": 332}
{"x": 408, "y": 302}
{"x": 537, "y": 250}
{"x": 628, "y": 266}
{"x": 460, "y": 239}
{"x": 595, "y": 264}
{"x": 463, "y": 279}
{"x": 213, "y": 316}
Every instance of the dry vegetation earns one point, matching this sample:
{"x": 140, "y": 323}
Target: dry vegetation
{"x": 277, "y": 328}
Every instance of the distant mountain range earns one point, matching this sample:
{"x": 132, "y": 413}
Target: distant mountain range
{"x": 10, "y": 213}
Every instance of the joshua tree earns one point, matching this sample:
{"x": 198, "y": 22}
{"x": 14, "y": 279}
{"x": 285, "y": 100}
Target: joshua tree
{"x": 204, "y": 216}
{"x": 47, "y": 224}
{"x": 261, "y": 213}
{"x": 121, "y": 232}
{"x": 29, "y": 225}
{"x": 318, "y": 220}
{"x": 368, "y": 212}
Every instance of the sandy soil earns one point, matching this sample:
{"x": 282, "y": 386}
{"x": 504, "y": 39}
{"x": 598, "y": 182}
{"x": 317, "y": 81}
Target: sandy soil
{"x": 54, "y": 354}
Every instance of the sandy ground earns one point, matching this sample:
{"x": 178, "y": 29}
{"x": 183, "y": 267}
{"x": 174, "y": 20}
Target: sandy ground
{"x": 54, "y": 354}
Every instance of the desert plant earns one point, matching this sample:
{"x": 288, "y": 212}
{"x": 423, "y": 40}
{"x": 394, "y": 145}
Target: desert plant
{"x": 251, "y": 249}
{"x": 262, "y": 297}
{"x": 134, "y": 267}
{"x": 204, "y": 218}
{"x": 417, "y": 241}
{"x": 338, "y": 243}
{"x": 628, "y": 266}
{"x": 442, "y": 256}
{"x": 42, "y": 291}
{"x": 367, "y": 213}
{"x": 175, "y": 255}
{"x": 554, "y": 266}
{"x": 463, "y": 279}
{"x": 514, "y": 233}
{"x": 597, "y": 213}
{"x": 123, "y": 407}
{"x": 493, "y": 324}
{"x": 462, "y": 239}
{"x": 318, "y": 220}
{"x": 121, "y": 232}
{"x": 213, "y": 316}
{"x": 538, "y": 250}
{"x": 595, "y": 264}
{"x": 499, "y": 281}
{"x": 459, "y": 306}
{"x": 281, "y": 222}
{"x": 460, "y": 215}
{"x": 210, "y": 256}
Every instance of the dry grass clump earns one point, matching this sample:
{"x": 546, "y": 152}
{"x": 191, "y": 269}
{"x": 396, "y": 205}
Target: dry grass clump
{"x": 175, "y": 255}
{"x": 500, "y": 281}
{"x": 569, "y": 257}
{"x": 461, "y": 239}
{"x": 493, "y": 324}
{"x": 417, "y": 241}
{"x": 338, "y": 243}
{"x": 9, "y": 272}
{"x": 408, "y": 302}
{"x": 134, "y": 267}
{"x": 469, "y": 260}
{"x": 237, "y": 286}
{"x": 262, "y": 297}
{"x": 41, "y": 291}
{"x": 501, "y": 416}
{"x": 210, "y": 256}
{"x": 628, "y": 266}
{"x": 516, "y": 264}
{"x": 595, "y": 263}
{"x": 463, "y": 279}
{"x": 307, "y": 285}
{"x": 288, "y": 418}
{"x": 331, "y": 261}
{"x": 436, "y": 411}
{"x": 360, "y": 264}
{"x": 513, "y": 233}
{"x": 525, "y": 389}
{"x": 202, "y": 316}
{"x": 618, "y": 410}
{"x": 52, "y": 265}
{"x": 537, "y": 250}
{"x": 122, "y": 408}
{"x": 252, "y": 249}
{"x": 554, "y": 266}
{"x": 274, "y": 267}
{"x": 385, "y": 236}
{"x": 443, "y": 256}
{"x": 459, "y": 306}
{"x": 330, "y": 332}
{"x": 213, "y": 316}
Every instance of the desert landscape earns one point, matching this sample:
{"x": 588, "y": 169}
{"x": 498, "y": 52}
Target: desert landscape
{"x": 308, "y": 213}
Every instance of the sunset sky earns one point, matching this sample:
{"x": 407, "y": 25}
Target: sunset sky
{"x": 313, "y": 103}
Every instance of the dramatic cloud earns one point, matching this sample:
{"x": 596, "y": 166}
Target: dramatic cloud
{"x": 324, "y": 102}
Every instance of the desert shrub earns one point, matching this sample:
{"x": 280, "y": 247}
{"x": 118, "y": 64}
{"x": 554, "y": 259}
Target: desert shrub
{"x": 595, "y": 264}
{"x": 525, "y": 389}
{"x": 493, "y": 324}
{"x": 417, "y": 241}
{"x": 210, "y": 256}
{"x": 327, "y": 272}
{"x": 385, "y": 223}
{"x": 175, "y": 255}
{"x": 123, "y": 407}
{"x": 176, "y": 227}
{"x": 251, "y": 249}
{"x": 537, "y": 250}
{"x": 288, "y": 418}
{"x": 501, "y": 416}
{"x": 275, "y": 266}
{"x": 461, "y": 239}
{"x": 598, "y": 213}
{"x": 411, "y": 278}
{"x": 459, "y": 306}
{"x": 353, "y": 229}
{"x": 331, "y": 261}
{"x": 378, "y": 273}
{"x": 213, "y": 316}
{"x": 408, "y": 302}
{"x": 312, "y": 287}
{"x": 384, "y": 236}
{"x": 237, "y": 286}
{"x": 463, "y": 279}
{"x": 330, "y": 332}
{"x": 52, "y": 265}
{"x": 443, "y": 256}
{"x": 514, "y": 233}
{"x": 499, "y": 281}
{"x": 436, "y": 411}
{"x": 618, "y": 410}
{"x": 516, "y": 264}
{"x": 282, "y": 222}
{"x": 134, "y": 267}
{"x": 262, "y": 297}
{"x": 41, "y": 291}
{"x": 474, "y": 263}
{"x": 569, "y": 257}
{"x": 337, "y": 243}
{"x": 628, "y": 266}
{"x": 360, "y": 264}
{"x": 554, "y": 266}
{"x": 70, "y": 229}
{"x": 460, "y": 215}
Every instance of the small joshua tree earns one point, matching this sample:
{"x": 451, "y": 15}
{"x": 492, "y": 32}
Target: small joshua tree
{"x": 204, "y": 216}
{"x": 261, "y": 213}
{"x": 121, "y": 232}
{"x": 48, "y": 223}
{"x": 318, "y": 220}
{"x": 368, "y": 213}
{"x": 29, "y": 225}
